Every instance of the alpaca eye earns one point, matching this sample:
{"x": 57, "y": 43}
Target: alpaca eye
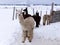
{"x": 19, "y": 14}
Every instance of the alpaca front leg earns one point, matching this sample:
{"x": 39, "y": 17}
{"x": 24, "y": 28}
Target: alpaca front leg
{"x": 48, "y": 22}
{"x": 30, "y": 36}
{"x": 24, "y": 36}
{"x": 37, "y": 24}
{"x": 44, "y": 22}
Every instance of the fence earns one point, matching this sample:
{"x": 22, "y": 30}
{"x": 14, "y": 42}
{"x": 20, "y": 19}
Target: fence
{"x": 41, "y": 9}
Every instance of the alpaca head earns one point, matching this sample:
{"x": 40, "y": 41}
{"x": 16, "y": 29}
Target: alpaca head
{"x": 18, "y": 11}
{"x": 52, "y": 13}
{"x": 26, "y": 11}
{"x": 20, "y": 14}
{"x": 37, "y": 13}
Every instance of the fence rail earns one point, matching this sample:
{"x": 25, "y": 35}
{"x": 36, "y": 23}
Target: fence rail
{"x": 28, "y": 4}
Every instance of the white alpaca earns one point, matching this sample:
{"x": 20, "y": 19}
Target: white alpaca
{"x": 27, "y": 27}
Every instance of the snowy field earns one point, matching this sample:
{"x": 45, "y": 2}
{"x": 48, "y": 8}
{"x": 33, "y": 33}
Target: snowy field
{"x": 11, "y": 33}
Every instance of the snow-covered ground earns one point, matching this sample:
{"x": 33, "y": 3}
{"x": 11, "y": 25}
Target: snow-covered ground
{"x": 11, "y": 33}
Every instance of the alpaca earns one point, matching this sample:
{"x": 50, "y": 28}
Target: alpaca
{"x": 48, "y": 18}
{"x": 26, "y": 15}
{"x": 36, "y": 17}
{"x": 27, "y": 27}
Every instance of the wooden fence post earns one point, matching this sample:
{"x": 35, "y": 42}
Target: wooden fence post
{"x": 13, "y": 13}
{"x": 52, "y": 7}
{"x": 33, "y": 11}
{"x": 40, "y": 13}
{"x": 46, "y": 12}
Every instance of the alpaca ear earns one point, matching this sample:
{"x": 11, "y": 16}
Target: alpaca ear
{"x": 21, "y": 10}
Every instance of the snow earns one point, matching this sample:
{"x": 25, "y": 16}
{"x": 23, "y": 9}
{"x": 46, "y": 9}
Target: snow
{"x": 11, "y": 33}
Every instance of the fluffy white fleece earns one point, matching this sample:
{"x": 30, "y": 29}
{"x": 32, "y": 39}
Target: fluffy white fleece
{"x": 28, "y": 25}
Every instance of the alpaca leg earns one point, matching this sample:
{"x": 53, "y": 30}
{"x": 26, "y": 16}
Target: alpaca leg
{"x": 37, "y": 24}
{"x": 44, "y": 21}
{"x": 48, "y": 22}
{"x": 30, "y": 36}
{"x": 24, "y": 36}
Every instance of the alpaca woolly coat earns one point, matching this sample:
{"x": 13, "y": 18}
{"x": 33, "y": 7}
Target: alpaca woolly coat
{"x": 27, "y": 27}
{"x": 47, "y": 18}
{"x": 28, "y": 23}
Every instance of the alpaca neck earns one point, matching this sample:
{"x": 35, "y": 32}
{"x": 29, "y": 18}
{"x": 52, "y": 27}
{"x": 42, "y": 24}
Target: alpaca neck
{"x": 21, "y": 19}
{"x": 26, "y": 12}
